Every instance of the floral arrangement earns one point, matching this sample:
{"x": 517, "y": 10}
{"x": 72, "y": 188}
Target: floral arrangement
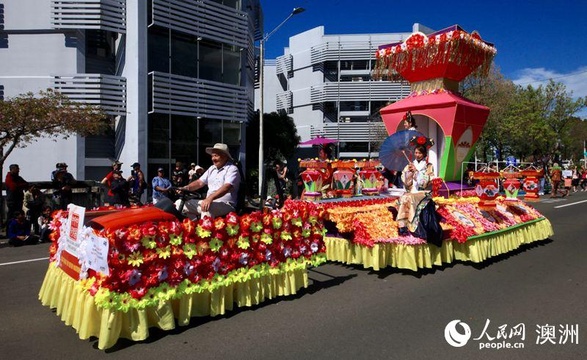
{"x": 432, "y": 53}
{"x": 467, "y": 219}
{"x": 150, "y": 262}
{"x": 368, "y": 221}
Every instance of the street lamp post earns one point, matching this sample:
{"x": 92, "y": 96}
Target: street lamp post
{"x": 295, "y": 11}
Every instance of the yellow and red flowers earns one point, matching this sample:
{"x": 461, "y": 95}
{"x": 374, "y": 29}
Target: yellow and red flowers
{"x": 149, "y": 262}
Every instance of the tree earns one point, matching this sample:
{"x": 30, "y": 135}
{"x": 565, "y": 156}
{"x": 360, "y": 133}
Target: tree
{"x": 529, "y": 123}
{"x": 497, "y": 93}
{"x": 25, "y": 118}
{"x": 280, "y": 139}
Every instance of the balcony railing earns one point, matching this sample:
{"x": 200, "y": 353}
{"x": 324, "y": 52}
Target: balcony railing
{"x": 107, "y": 15}
{"x": 284, "y": 64}
{"x": 206, "y": 19}
{"x": 284, "y": 101}
{"x": 359, "y": 90}
{"x": 182, "y": 95}
{"x": 106, "y": 91}
{"x": 352, "y": 132}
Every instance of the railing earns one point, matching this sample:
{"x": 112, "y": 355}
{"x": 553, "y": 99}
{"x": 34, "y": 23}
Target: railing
{"x": 284, "y": 64}
{"x": 88, "y": 193}
{"x": 206, "y": 19}
{"x": 107, "y": 15}
{"x": 182, "y": 95}
{"x": 106, "y": 91}
{"x": 359, "y": 90}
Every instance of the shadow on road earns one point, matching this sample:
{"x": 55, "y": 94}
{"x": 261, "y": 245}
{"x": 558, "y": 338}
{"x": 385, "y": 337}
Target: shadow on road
{"x": 388, "y": 271}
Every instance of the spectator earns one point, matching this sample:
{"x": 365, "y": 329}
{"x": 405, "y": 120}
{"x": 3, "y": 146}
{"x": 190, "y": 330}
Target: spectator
{"x": 179, "y": 177}
{"x": 161, "y": 186}
{"x": 34, "y": 200}
{"x": 195, "y": 172}
{"x": 583, "y": 183}
{"x": 43, "y": 222}
{"x": 15, "y": 188}
{"x": 107, "y": 181}
{"x": 118, "y": 189}
{"x": 556, "y": 173}
{"x": 223, "y": 180}
{"x": 136, "y": 183}
{"x": 62, "y": 187}
{"x": 19, "y": 230}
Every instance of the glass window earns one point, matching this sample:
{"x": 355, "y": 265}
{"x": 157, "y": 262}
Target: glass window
{"x": 184, "y": 54}
{"x": 210, "y": 61}
{"x": 158, "y": 48}
{"x": 232, "y": 64}
{"x": 158, "y": 136}
{"x": 235, "y": 4}
{"x": 183, "y": 132}
{"x": 354, "y": 65}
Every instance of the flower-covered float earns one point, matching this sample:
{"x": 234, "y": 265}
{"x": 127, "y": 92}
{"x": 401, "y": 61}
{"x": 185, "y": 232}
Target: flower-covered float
{"x": 134, "y": 269}
{"x": 364, "y": 232}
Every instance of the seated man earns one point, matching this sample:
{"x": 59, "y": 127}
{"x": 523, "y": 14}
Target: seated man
{"x": 223, "y": 180}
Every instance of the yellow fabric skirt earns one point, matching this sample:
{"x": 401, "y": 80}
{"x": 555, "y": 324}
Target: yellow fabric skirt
{"x": 414, "y": 257}
{"x": 76, "y": 306}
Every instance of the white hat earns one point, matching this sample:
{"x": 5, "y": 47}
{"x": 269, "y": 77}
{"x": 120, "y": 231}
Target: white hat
{"x": 198, "y": 167}
{"x": 219, "y": 148}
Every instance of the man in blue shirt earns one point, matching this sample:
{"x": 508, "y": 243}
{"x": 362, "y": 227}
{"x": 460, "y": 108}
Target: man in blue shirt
{"x": 161, "y": 186}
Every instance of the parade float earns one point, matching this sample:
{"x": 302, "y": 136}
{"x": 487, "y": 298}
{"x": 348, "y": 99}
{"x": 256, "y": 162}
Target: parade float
{"x": 476, "y": 224}
{"x": 115, "y": 273}
{"x": 132, "y": 269}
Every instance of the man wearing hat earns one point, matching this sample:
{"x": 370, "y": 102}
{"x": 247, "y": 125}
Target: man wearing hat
{"x": 63, "y": 182}
{"x": 223, "y": 180}
{"x": 137, "y": 183}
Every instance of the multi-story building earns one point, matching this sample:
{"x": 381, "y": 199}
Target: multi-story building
{"x": 324, "y": 83}
{"x": 177, "y": 76}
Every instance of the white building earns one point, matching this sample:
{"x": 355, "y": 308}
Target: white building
{"x": 324, "y": 83}
{"x": 178, "y": 76}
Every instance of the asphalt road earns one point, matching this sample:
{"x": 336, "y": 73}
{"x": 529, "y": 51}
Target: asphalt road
{"x": 352, "y": 313}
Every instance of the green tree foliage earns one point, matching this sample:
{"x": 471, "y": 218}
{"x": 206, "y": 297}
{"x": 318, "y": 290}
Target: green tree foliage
{"x": 280, "y": 139}
{"x": 529, "y": 123}
{"x": 27, "y": 117}
{"x": 497, "y": 93}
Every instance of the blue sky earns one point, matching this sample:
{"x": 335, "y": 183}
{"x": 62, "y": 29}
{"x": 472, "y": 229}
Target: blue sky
{"x": 535, "y": 39}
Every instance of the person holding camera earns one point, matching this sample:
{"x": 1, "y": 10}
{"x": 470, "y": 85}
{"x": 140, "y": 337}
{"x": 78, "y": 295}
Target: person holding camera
{"x": 137, "y": 184}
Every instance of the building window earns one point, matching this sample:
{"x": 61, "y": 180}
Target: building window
{"x": 231, "y": 58}
{"x": 184, "y": 54}
{"x": 210, "y": 60}
{"x": 235, "y": 4}
{"x": 158, "y": 47}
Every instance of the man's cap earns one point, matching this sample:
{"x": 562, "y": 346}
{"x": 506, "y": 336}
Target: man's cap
{"x": 219, "y": 148}
{"x": 61, "y": 165}
{"x": 161, "y": 169}
{"x": 116, "y": 162}
{"x": 198, "y": 167}
{"x": 193, "y": 164}
{"x": 134, "y": 165}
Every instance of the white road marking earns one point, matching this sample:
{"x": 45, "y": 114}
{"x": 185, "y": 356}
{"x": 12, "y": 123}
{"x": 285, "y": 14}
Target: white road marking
{"x": 23, "y": 261}
{"x": 570, "y": 204}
